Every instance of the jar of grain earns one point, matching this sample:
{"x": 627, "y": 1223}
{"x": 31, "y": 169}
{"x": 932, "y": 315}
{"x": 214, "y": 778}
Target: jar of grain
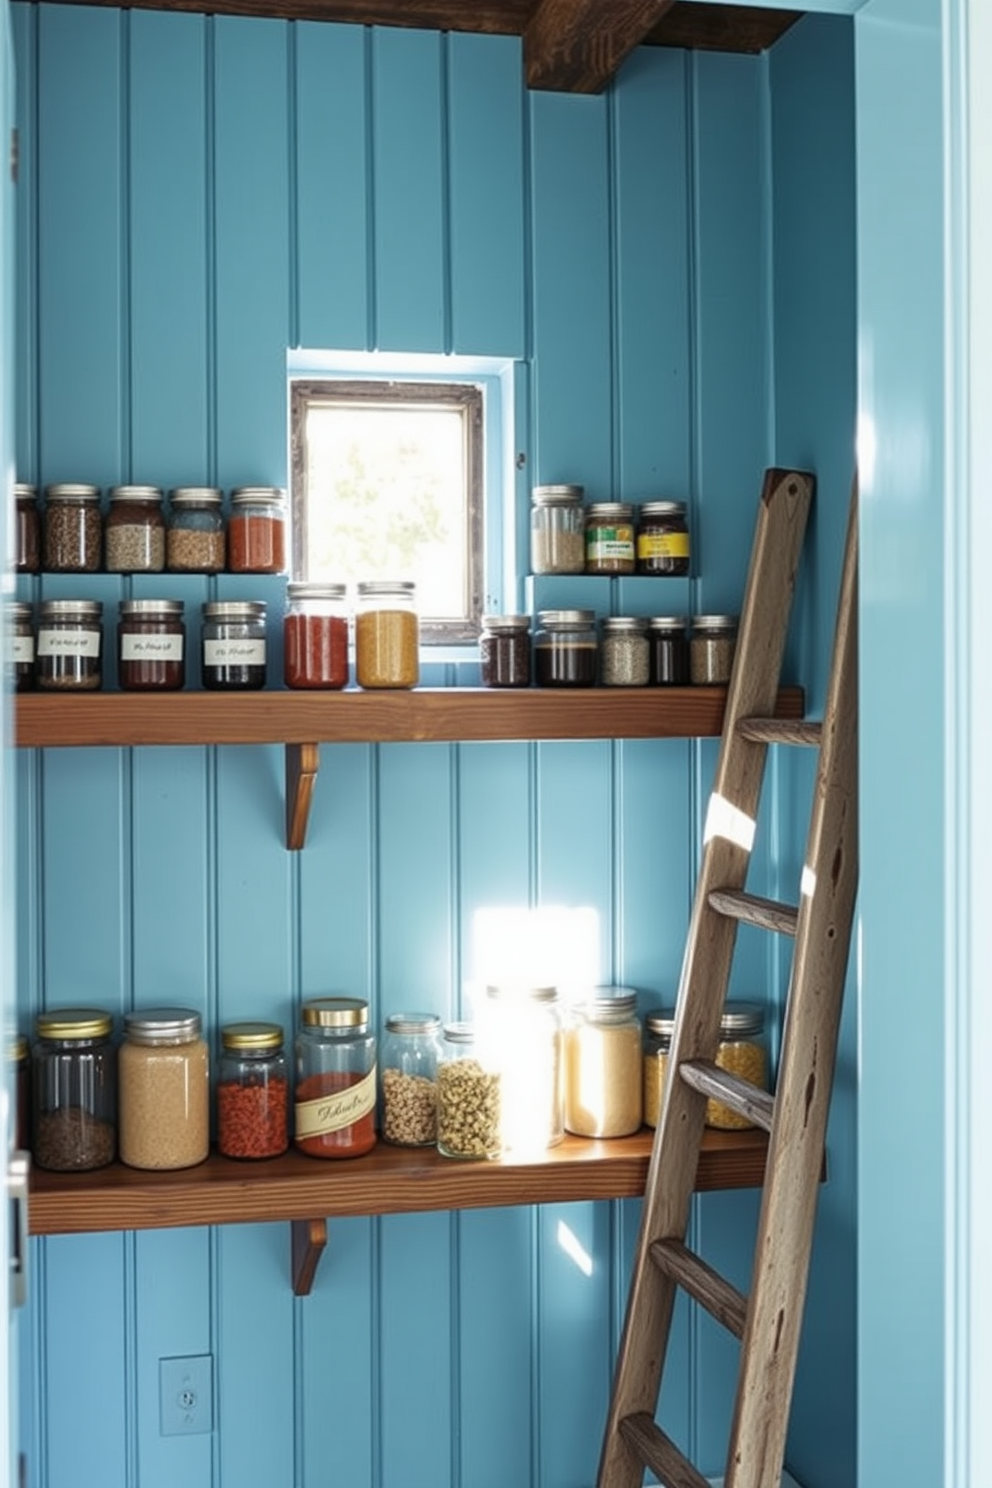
{"x": 234, "y": 646}
{"x": 256, "y": 530}
{"x": 603, "y": 1075}
{"x": 711, "y": 648}
{"x": 72, "y": 529}
{"x": 610, "y": 538}
{"x": 164, "y": 1073}
{"x": 662, "y": 538}
{"x": 252, "y": 1091}
{"x": 411, "y": 1047}
{"x": 742, "y": 1050}
{"x": 504, "y": 650}
{"x": 151, "y": 645}
{"x": 70, "y": 644}
{"x": 18, "y": 647}
{"x": 668, "y": 651}
{"x": 520, "y": 1030}
{"x": 387, "y": 634}
{"x": 557, "y": 530}
{"x": 134, "y": 530}
{"x": 566, "y": 651}
{"x": 659, "y": 1025}
{"x": 74, "y": 1090}
{"x": 335, "y": 1078}
{"x": 469, "y": 1100}
{"x": 195, "y": 541}
{"x": 624, "y": 654}
{"x": 27, "y": 529}
{"x": 315, "y": 636}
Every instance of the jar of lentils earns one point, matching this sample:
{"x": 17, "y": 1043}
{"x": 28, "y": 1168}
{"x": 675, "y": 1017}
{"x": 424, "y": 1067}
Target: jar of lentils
{"x": 27, "y": 529}
{"x": 252, "y": 1091}
{"x": 504, "y": 651}
{"x": 387, "y": 634}
{"x": 411, "y": 1047}
{"x": 668, "y": 649}
{"x": 151, "y": 645}
{"x": 711, "y": 648}
{"x": 566, "y": 651}
{"x": 315, "y": 636}
{"x": 70, "y": 645}
{"x": 72, "y": 529}
{"x": 164, "y": 1074}
{"x": 18, "y": 641}
{"x": 624, "y": 656}
{"x": 557, "y": 530}
{"x": 256, "y": 530}
{"x": 234, "y": 655}
{"x": 74, "y": 1090}
{"x": 335, "y": 1078}
{"x": 134, "y": 530}
{"x": 469, "y": 1098}
{"x": 196, "y": 541}
{"x": 662, "y": 538}
{"x": 610, "y": 538}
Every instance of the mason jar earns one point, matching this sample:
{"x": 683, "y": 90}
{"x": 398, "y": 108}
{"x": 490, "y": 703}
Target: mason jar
{"x": 610, "y": 538}
{"x": 411, "y": 1047}
{"x": 256, "y": 530}
{"x": 74, "y": 1090}
{"x": 668, "y": 651}
{"x": 151, "y": 645}
{"x": 72, "y": 529}
{"x": 164, "y": 1073}
{"x": 469, "y": 1098}
{"x": 566, "y": 651}
{"x": 504, "y": 651}
{"x": 743, "y": 1051}
{"x": 196, "y": 539}
{"x": 134, "y": 530}
{"x": 520, "y": 1030}
{"x": 659, "y": 1026}
{"x": 68, "y": 652}
{"x": 662, "y": 538}
{"x": 335, "y": 1078}
{"x": 18, "y": 641}
{"x": 27, "y": 529}
{"x": 252, "y": 1096}
{"x": 315, "y": 636}
{"x": 387, "y": 634}
{"x": 557, "y": 530}
{"x": 234, "y": 655}
{"x": 603, "y": 1073}
{"x": 624, "y": 654}
{"x": 711, "y": 648}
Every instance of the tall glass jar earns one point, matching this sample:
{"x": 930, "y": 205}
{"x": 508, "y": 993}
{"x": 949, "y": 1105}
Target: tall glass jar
{"x": 520, "y": 1030}
{"x": 624, "y": 654}
{"x": 387, "y": 634}
{"x": 712, "y": 645}
{"x": 256, "y": 530}
{"x": 234, "y": 654}
{"x": 504, "y": 651}
{"x": 610, "y": 538}
{"x": 603, "y": 1074}
{"x": 659, "y": 1025}
{"x": 151, "y": 645}
{"x": 72, "y": 529}
{"x": 27, "y": 529}
{"x": 668, "y": 648}
{"x": 335, "y": 1078}
{"x": 315, "y": 636}
{"x": 195, "y": 539}
{"x": 557, "y": 530}
{"x": 566, "y": 651}
{"x": 74, "y": 1090}
{"x": 252, "y": 1091}
{"x": 164, "y": 1072}
{"x": 662, "y": 538}
{"x": 411, "y": 1047}
{"x": 469, "y": 1098}
{"x": 69, "y": 649}
{"x": 18, "y": 644}
{"x": 134, "y": 530}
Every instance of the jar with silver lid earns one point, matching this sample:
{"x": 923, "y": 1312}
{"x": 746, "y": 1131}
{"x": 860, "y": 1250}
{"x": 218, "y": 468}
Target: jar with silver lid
{"x": 557, "y": 530}
{"x": 624, "y": 655}
{"x": 234, "y": 655}
{"x": 335, "y": 1093}
{"x": 662, "y": 538}
{"x": 668, "y": 651}
{"x": 387, "y": 634}
{"x": 196, "y": 539}
{"x": 566, "y": 651}
{"x": 610, "y": 538}
{"x": 469, "y": 1098}
{"x": 164, "y": 1074}
{"x": 151, "y": 645}
{"x": 18, "y": 647}
{"x": 134, "y": 530}
{"x": 68, "y": 654}
{"x": 256, "y": 530}
{"x": 520, "y": 1032}
{"x": 411, "y": 1047}
{"x": 603, "y": 1077}
{"x": 72, "y": 529}
{"x": 504, "y": 651}
{"x": 712, "y": 645}
{"x": 74, "y": 1090}
{"x": 659, "y": 1025}
{"x": 315, "y": 636}
{"x": 742, "y": 1050}
{"x": 27, "y": 529}
{"x": 252, "y": 1091}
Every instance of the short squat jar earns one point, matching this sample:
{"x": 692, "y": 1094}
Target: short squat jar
{"x": 557, "y": 530}
{"x": 151, "y": 645}
{"x": 196, "y": 538}
{"x": 566, "y": 651}
{"x": 252, "y": 1091}
{"x": 27, "y": 529}
{"x": 335, "y": 1078}
{"x": 234, "y": 652}
{"x": 711, "y": 649}
{"x": 72, "y": 529}
{"x": 504, "y": 651}
{"x": 256, "y": 530}
{"x": 74, "y": 1090}
{"x": 387, "y": 634}
{"x": 69, "y": 648}
{"x": 668, "y": 649}
{"x": 134, "y": 530}
{"x": 662, "y": 539}
{"x": 469, "y": 1098}
{"x": 610, "y": 538}
{"x": 411, "y": 1047}
{"x": 603, "y": 1084}
{"x": 164, "y": 1073}
{"x": 315, "y": 636}
{"x": 18, "y": 641}
{"x": 624, "y": 654}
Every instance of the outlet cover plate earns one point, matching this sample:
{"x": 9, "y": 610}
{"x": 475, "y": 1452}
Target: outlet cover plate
{"x": 186, "y": 1389}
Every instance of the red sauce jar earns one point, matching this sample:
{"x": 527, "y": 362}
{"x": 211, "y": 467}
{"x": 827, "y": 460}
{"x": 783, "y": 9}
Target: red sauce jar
{"x": 315, "y": 636}
{"x": 256, "y": 531}
{"x": 335, "y": 1093}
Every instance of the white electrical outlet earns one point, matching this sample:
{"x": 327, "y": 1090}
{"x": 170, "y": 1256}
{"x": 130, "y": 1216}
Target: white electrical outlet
{"x": 186, "y": 1389}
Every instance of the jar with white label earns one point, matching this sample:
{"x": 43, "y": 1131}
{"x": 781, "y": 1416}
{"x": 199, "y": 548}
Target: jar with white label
{"x": 69, "y": 648}
{"x": 151, "y": 645}
{"x": 18, "y": 644}
{"x": 164, "y": 1085}
{"x": 335, "y": 1094}
{"x": 234, "y": 656}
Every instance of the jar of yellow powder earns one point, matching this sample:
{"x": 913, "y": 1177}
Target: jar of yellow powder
{"x": 742, "y": 1050}
{"x": 387, "y": 634}
{"x": 603, "y": 1088}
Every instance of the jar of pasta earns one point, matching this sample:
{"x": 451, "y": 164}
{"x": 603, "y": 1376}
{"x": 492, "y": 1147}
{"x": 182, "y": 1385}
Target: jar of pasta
{"x": 387, "y": 634}
{"x": 256, "y": 530}
{"x": 603, "y": 1076}
{"x": 335, "y": 1078}
{"x": 164, "y": 1075}
{"x": 610, "y": 538}
{"x": 411, "y": 1047}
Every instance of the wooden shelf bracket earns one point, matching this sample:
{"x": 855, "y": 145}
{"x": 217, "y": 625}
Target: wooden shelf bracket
{"x": 308, "y": 1239}
{"x": 302, "y": 764}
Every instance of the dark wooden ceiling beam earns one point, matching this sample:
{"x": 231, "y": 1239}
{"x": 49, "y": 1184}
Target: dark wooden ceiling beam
{"x": 576, "y": 46}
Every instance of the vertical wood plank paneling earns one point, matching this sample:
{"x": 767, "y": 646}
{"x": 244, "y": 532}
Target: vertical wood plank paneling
{"x": 415, "y": 1364}
{"x": 24, "y": 28}
{"x": 332, "y": 216}
{"x": 336, "y": 884}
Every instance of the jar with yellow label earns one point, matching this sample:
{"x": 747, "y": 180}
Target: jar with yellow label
{"x": 662, "y": 539}
{"x": 335, "y": 1078}
{"x": 610, "y": 538}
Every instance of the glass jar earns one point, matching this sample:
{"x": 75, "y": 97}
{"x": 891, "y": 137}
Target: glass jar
{"x": 504, "y": 650}
{"x": 742, "y": 1050}
{"x": 557, "y": 530}
{"x": 252, "y": 1091}
{"x": 256, "y": 530}
{"x": 387, "y": 634}
{"x": 521, "y": 1038}
{"x": 74, "y": 1090}
{"x": 411, "y": 1047}
{"x": 27, "y": 529}
{"x": 151, "y": 645}
{"x": 164, "y": 1072}
{"x": 234, "y": 657}
{"x": 315, "y": 636}
{"x": 70, "y": 643}
{"x": 72, "y": 529}
{"x": 711, "y": 648}
{"x": 18, "y": 647}
{"x": 134, "y": 530}
{"x": 19, "y": 1057}
{"x": 668, "y": 651}
{"x": 624, "y": 656}
{"x": 195, "y": 539}
{"x": 469, "y": 1098}
{"x": 610, "y": 538}
{"x": 335, "y": 1078}
{"x": 566, "y": 652}
{"x": 659, "y": 1025}
{"x": 662, "y": 538}
{"x": 603, "y": 1075}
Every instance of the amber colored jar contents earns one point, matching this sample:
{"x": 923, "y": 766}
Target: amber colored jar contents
{"x": 315, "y": 636}
{"x": 335, "y": 1095}
{"x": 164, "y": 1081}
{"x": 256, "y": 530}
{"x": 387, "y": 635}
{"x": 252, "y": 1092}
{"x": 27, "y": 530}
{"x": 151, "y": 639}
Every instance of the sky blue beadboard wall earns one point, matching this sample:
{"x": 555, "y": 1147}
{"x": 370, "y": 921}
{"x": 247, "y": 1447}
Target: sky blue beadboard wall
{"x": 196, "y": 197}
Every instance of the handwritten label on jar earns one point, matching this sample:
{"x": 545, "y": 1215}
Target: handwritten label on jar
{"x": 335, "y": 1110}
{"x": 62, "y": 643}
{"x": 234, "y": 653}
{"x": 152, "y": 648}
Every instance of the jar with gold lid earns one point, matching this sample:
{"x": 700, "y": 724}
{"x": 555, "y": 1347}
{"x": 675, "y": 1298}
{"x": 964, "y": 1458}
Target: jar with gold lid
{"x": 335, "y": 1094}
{"x": 74, "y": 1090}
{"x": 252, "y": 1096}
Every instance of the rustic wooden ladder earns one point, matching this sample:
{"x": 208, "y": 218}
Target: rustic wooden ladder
{"x": 767, "y": 1320}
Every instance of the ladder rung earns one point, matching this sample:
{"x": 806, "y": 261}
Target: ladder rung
{"x": 781, "y": 730}
{"x": 658, "y": 1452}
{"x": 747, "y": 1100}
{"x": 690, "y": 1271}
{"x": 768, "y": 914}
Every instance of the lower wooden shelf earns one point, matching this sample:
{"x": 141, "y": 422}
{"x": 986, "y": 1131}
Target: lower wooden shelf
{"x": 388, "y": 1180}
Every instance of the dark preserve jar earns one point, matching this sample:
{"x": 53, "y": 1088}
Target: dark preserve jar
{"x": 27, "y": 529}
{"x": 252, "y": 1091}
{"x": 72, "y": 529}
{"x": 504, "y": 651}
{"x": 19, "y": 662}
{"x": 662, "y": 539}
{"x": 70, "y": 644}
{"x": 234, "y": 644}
{"x": 151, "y": 645}
{"x": 566, "y": 653}
{"x": 668, "y": 646}
{"x": 315, "y": 636}
{"x": 74, "y": 1090}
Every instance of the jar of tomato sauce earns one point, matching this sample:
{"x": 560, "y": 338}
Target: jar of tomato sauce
{"x": 335, "y": 1078}
{"x": 315, "y": 636}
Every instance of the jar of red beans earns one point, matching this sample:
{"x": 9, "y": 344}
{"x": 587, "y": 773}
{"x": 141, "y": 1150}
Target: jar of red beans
{"x": 335, "y": 1078}
{"x": 315, "y": 636}
{"x": 256, "y": 530}
{"x": 252, "y": 1091}
{"x": 151, "y": 645}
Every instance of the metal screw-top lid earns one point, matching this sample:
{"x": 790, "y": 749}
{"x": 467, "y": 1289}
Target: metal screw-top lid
{"x": 196, "y": 496}
{"x": 335, "y": 1012}
{"x": 135, "y": 607}
{"x": 413, "y": 1023}
{"x": 234, "y": 609}
{"x": 71, "y": 609}
{"x": 70, "y": 491}
{"x": 715, "y": 622}
{"x": 162, "y": 1025}
{"x": 377, "y": 588}
{"x": 610, "y": 511}
{"x": 562, "y": 495}
{"x": 506, "y": 622}
{"x": 74, "y": 1023}
{"x": 624, "y": 625}
{"x": 249, "y": 1036}
{"x": 662, "y": 509}
{"x": 299, "y": 589}
{"x": 660, "y": 1022}
{"x": 273, "y": 496}
{"x": 459, "y": 1033}
{"x": 607, "y": 1003}
{"x": 522, "y": 993}
{"x": 24, "y": 491}
{"x": 147, "y": 494}
{"x": 668, "y": 622}
{"x": 566, "y": 619}
{"x": 742, "y": 1018}
{"x": 18, "y": 610}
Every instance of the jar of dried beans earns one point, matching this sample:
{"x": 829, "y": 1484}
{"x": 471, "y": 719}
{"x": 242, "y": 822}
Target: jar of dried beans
{"x": 610, "y": 538}
{"x": 662, "y": 538}
{"x": 603, "y": 1084}
{"x": 134, "y": 530}
{"x": 624, "y": 654}
{"x": 411, "y": 1045}
{"x": 27, "y": 529}
{"x": 557, "y": 530}
{"x": 234, "y": 647}
{"x": 335, "y": 1078}
{"x": 252, "y": 1091}
{"x": 72, "y": 529}
{"x": 195, "y": 540}
{"x": 151, "y": 645}
{"x": 315, "y": 636}
{"x": 469, "y": 1098}
{"x": 74, "y": 1090}
{"x": 70, "y": 645}
{"x": 256, "y": 530}
{"x": 504, "y": 651}
{"x": 711, "y": 648}
{"x": 387, "y": 634}
{"x": 164, "y": 1073}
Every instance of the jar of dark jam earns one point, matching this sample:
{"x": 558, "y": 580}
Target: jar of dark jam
{"x": 504, "y": 650}
{"x": 18, "y": 643}
{"x": 668, "y": 651}
{"x": 566, "y": 652}
{"x": 610, "y": 538}
{"x": 70, "y": 645}
{"x": 662, "y": 538}
{"x": 27, "y": 529}
{"x": 234, "y": 644}
{"x": 151, "y": 645}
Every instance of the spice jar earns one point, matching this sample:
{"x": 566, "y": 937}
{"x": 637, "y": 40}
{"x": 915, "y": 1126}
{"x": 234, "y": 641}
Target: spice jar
{"x": 69, "y": 647}
{"x": 742, "y": 1050}
{"x": 711, "y": 648}
{"x": 195, "y": 540}
{"x": 234, "y": 657}
{"x": 504, "y": 651}
{"x": 625, "y": 657}
{"x": 18, "y": 647}
{"x": 151, "y": 645}
{"x": 659, "y": 1025}
{"x": 387, "y": 634}
{"x": 164, "y": 1073}
{"x": 566, "y": 652}
{"x": 315, "y": 636}
{"x": 662, "y": 538}
{"x": 411, "y": 1047}
{"x": 469, "y": 1099}
{"x": 603, "y": 1073}
{"x": 74, "y": 1090}
{"x": 335, "y": 1078}
{"x": 19, "y": 1057}
{"x": 610, "y": 538}
{"x": 521, "y": 1037}
{"x": 134, "y": 530}
{"x": 668, "y": 651}
{"x": 256, "y": 530}
{"x": 72, "y": 529}
{"x": 27, "y": 529}
{"x": 252, "y": 1091}
{"x": 557, "y": 530}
